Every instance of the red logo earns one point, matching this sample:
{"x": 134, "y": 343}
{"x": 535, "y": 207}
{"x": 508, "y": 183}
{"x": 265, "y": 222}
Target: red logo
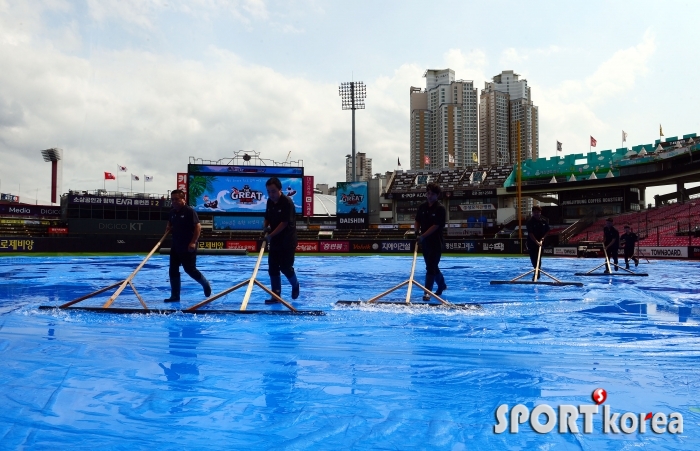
{"x": 599, "y": 396}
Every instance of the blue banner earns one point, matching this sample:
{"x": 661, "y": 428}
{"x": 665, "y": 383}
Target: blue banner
{"x": 238, "y": 193}
{"x": 238, "y": 222}
{"x": 351, "y": 198}
{"x": 263, "y": 171}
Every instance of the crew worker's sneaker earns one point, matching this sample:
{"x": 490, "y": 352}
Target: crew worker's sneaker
{"x": 272, "y": 300}
{"x": 426, "y": 297}
{"x": 295, "y": 291}
{"x": 172, "y": 299}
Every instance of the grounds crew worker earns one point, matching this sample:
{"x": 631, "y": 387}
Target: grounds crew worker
{"x": 430, "y": 220}
{"x": 537, "y": 227}
{"x": 611, "y": 241}
{"x": 184, "y": 224}
{"x": 280, "y": 223}
{"x": 628, "y": 239}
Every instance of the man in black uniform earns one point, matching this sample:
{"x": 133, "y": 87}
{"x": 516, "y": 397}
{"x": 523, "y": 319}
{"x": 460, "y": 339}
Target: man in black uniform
{"x": 184, "y": 224}
{"x": 280, "y": 223}
{"x": 628, "y": 239}
{"x": 430, "y": 220}
{"x": 611, "y": 241}
{"x": 537, "y": 227}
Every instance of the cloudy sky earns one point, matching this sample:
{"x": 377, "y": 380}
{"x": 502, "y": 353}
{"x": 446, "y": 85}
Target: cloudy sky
{"x": 149, "y": 83}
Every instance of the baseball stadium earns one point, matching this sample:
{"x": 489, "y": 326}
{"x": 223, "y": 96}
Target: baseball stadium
{"x": 575, "y": 351}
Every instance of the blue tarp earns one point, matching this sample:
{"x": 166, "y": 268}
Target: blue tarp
{"x": 357, "y": 378}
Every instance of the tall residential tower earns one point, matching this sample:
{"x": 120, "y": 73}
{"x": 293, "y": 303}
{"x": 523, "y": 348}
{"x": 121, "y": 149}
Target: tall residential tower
{"x": 444, "y": 122}
{"x": 505, "y": 102}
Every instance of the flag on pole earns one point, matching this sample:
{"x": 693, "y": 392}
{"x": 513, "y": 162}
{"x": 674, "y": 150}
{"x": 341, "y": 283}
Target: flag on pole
{"x": 109, "y": 176}
{"x": 661, "y": 131}
{"x": 398, "y": 160}
{"x": 624, "y": 136}
{"x": 426, "y": 159}
{"x": 451, "y": 158}
{"x": 135, "y": 178}
{"x": 559, "y": 149}
{"x": 148, "y": 178}
{"x": 121, "y": 168}
{"x": 593, "y": 142}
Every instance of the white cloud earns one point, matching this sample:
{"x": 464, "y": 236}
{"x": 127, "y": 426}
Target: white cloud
{"x": 570, "y": 111}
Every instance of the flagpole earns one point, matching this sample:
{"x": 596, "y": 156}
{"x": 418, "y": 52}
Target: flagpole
{"x": 144, "y": 184}
{"x": 118, "y": 177}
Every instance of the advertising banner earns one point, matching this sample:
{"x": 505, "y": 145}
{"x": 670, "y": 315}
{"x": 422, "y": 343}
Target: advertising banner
{"x": 182, "y": 183}
{"x": 45, "y": 211}
{"x": 458, "y": 194}
{"x": 116, "y": 226}
{"x": 118, "y": 201}
{"x": 212, "y": 244}
{"x": 307, "y": 246}
{"x": 14, "y": 245}
{"x": 334, "y": 246}
{"x": 397, "y": 246}
{"x": 262, "y": 171}
{"x": 351, "y": 197}
{"x": 466, "y": 231}
{"x": 351, "y": 205}
{"x": 308, "y": 196}
{"x": 238, "y": 193}
{"x": 663, "y": 252}
{"x": 9, "y": 197}
{"x": 238, "y": 222}
{"x": 58, "y": 230}
{"x": 566, "y": 251}
{"x": 248, "y": 245}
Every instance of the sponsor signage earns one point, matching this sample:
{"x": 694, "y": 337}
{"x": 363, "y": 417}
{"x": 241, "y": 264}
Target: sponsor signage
{"x": 58, "y": 230}
{"x": 262, "y": 171}
{"x": 351, "y": 205}
{"x": 212, "y": 244}
{"x": 182, "y": 182}
{"x": 477, "y": 207}
{"x": 118, "y": 201}
{"x": 9, "y": 197}
{"x": 14, "y": 245}
{"x": 45, "y": 211}
{"x": 663, "y": 252}
{"x": 250, "y": 246}
{"x": 238, "y": 222}
{"x": 307, "y": 246}
{"x": 116, "y": 226}
{"x": 396, "y": 246}
{"x": 308, "y": 207}
{"x": 566, "y": 251}
{"x": 458, "y": 194}
{"x": 460, "y": 246}
{"x": 593, "y": 200}
{"x": 466, "y": 231}
{"x": 334, "y": 246}
{"x": 493, "y": 246}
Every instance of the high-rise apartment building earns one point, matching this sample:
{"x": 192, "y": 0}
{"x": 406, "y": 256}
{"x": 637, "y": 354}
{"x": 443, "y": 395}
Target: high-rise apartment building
{"x": 504, "y": 103}
{"x": 444, "y": 122}
{"x": 363, "y": 167}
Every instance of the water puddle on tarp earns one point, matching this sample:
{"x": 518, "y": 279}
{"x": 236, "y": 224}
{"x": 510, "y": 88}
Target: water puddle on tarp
{"x": 356, "y": 378}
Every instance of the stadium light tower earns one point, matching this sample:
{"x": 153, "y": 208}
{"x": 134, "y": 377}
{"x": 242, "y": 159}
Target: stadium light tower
{"x": 353, "y": 95}
{"x": 54, "y": 156}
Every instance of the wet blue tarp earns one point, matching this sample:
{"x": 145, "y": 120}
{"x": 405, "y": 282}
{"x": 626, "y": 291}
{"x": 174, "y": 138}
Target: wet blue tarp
{"x": 357, "y": 378}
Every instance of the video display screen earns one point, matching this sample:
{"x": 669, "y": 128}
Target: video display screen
{"x": 240, "y": 189}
